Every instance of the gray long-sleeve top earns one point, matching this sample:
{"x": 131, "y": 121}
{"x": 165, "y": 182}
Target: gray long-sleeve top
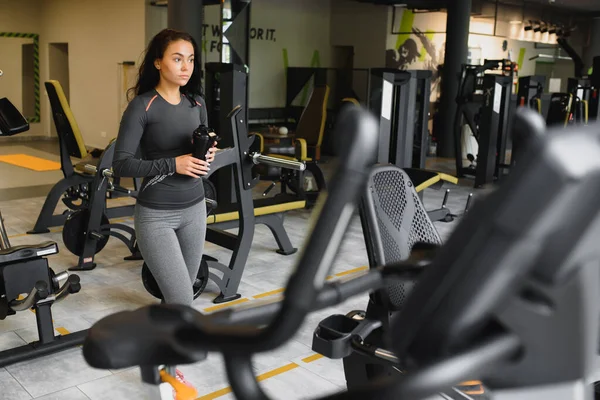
{"x": 161, "y": 131}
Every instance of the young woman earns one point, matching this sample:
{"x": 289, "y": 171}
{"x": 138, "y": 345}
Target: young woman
{"x": 170, "y": 213}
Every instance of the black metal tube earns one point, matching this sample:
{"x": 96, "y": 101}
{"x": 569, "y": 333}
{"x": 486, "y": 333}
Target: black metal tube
{"x": 337, "y": 292}
{"x": 470, "y": 364}
{"x": 439, "y": 376}
{"x": 331, "y": 294}
{"x": 258, "y": 158}
{"x": 242, "y": 379}
{"x": 457, "y": 46}
{"x": 375, "y": 352}
{"x": 188, "y": 16}
{"x": 28, "y": 352}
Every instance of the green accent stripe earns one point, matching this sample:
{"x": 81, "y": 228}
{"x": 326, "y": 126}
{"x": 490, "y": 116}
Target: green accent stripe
{"x": 408, "y": 19}
{"x": 286, "y": 61}
{"x": 314, "y": 63}
{"x": 36, "y": 68}
{"x": 521, "y": 57}
{"x": 316, "y": 60}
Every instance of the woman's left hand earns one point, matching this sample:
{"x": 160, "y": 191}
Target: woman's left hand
{"x": 210, "y": 156}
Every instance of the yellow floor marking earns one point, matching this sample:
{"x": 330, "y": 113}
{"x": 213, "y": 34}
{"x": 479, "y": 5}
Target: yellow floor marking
{"x": 225, "y": 305}
{"x": 267, "y": 294}
{"x": 262, "y": 377}
{"x": 62, "y": 331}
{"x": 312, "y": 358}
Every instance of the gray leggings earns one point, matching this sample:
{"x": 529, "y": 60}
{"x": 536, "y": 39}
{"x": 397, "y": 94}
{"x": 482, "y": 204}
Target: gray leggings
{"x": 172, "y": 242}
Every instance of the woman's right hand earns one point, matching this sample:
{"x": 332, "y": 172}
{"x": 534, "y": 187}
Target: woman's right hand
{"x": 188, "y": 165}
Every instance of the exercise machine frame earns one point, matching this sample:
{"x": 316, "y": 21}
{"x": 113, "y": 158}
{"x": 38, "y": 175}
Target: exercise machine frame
{"x": 490, "y": 98}
{"x": 24, "y": 269}
{"x": 239, "y": 158}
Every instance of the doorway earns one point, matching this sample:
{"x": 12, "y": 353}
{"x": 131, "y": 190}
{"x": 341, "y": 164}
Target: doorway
{"x": 58, "y": 54}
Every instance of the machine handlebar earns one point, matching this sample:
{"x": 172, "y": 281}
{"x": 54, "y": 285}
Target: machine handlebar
{"x": 89, "y": 168}
{"x": 39, "y": 291}
{"x": 64, "y": 284}
{"x": 258, "y": 158}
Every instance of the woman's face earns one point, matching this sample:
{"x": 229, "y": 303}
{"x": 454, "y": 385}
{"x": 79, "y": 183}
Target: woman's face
{"x": 177, "y": 65}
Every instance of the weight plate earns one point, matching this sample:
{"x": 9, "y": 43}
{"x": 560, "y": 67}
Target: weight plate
{"x": 201, "y": 279}
{"x": 151, "y": 285}
{"x": 74, "y": 231}
{"x": 210, "y": 192}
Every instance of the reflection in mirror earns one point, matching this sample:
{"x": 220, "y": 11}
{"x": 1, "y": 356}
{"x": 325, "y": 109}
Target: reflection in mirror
{"x": 19, "y": 55}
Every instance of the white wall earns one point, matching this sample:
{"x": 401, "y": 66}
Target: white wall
{"x": 100, "y": 36}
{"x": 300, "y": 27}
{"x": 593, "y": 49}
{"x": 363, "y": 26}
{"x": 23, "y": 16}
{"x": 520, "y": 47}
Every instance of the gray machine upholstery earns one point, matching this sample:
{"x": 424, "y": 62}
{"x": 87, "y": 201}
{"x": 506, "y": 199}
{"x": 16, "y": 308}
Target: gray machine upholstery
{"x": 395, "y": 220}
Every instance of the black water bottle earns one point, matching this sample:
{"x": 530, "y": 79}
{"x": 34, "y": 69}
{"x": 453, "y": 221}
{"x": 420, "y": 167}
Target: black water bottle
{"x": 202, "y": 140}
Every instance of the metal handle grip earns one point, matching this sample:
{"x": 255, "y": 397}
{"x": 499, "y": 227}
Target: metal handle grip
{"x": 72, "y": 285}
{"x": 121, "y": 189}
{"x": 258, "y": 158}
{"x": 92, "y": 170}
{"x": 39, "y": 291}
{"x": 4, "y": 242}
{"x": 59, "y": 280}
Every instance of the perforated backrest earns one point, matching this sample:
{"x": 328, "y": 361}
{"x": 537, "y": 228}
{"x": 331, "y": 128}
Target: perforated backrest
{"x": 64, "y": 120}
{"x": 394, "y": 220}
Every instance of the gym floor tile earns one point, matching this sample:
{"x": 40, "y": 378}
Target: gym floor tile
{"x": 67, "y": 394}
{"x": 54, "y": 372}
{"x": 10, "y": 388}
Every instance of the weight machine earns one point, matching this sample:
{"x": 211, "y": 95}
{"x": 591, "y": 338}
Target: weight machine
{"x": 24, "y": 269}
{"x": 483, "y": 111}
{"x": 530, "y": 92}
{"x": 401, "y": 101}
{"x": 91, "y": 233}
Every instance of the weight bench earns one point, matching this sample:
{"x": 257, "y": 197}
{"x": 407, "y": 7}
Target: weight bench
{"x": 76, "y": 181}
{"x": 268, "y": 211}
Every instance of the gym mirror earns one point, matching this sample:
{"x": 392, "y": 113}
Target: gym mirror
{"x": 19, "y": 53}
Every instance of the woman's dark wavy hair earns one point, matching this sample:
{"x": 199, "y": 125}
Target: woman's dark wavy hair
{"x": 149, "y": 76}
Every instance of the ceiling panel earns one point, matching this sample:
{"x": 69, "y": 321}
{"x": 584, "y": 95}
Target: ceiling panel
{"x": 583, "y": 5}
{"x": 579, "y": 5}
